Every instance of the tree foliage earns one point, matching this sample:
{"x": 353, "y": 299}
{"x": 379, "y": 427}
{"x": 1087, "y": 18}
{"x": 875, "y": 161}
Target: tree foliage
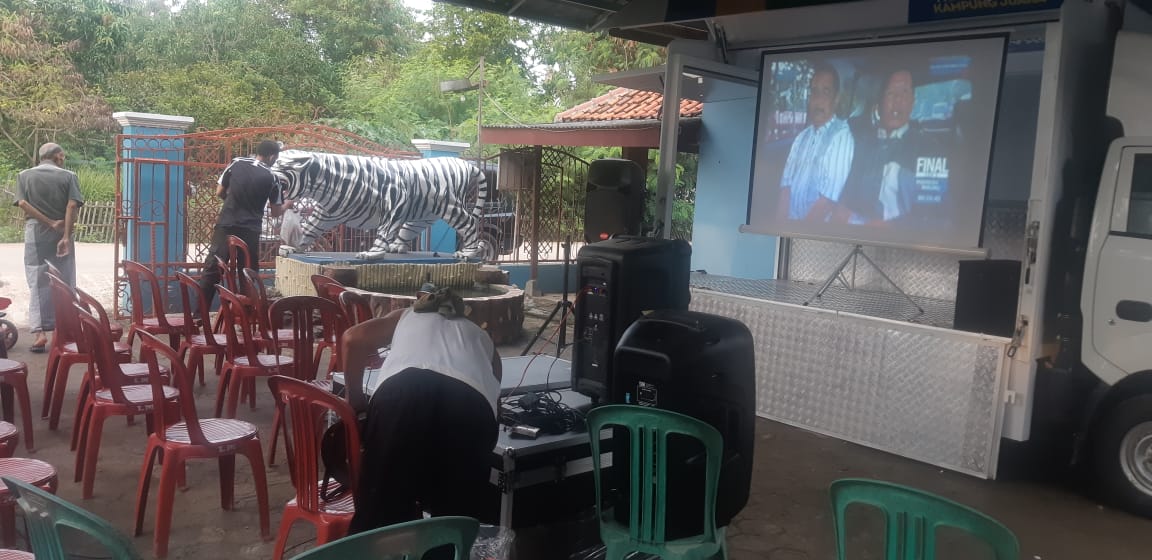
{"x": 345, "y": 30}
{"x": 218, "y": 95}
{"x": 42, "y": 96}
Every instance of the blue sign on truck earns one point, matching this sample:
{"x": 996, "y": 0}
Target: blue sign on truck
{"x": 936, "y": 10}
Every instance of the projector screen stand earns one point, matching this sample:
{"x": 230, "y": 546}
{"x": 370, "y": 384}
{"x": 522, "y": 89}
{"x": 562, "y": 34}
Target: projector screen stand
{"x": 853, "y": 258}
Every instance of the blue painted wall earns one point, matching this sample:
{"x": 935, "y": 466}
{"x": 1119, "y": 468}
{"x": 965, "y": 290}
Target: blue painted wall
{"x": 722, "y": 195}
{"x": 550, "y": 277}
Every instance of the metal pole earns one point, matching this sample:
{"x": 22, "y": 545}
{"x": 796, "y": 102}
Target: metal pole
{"x": 669, "y": 132}
{"x": 480, "y": 117}
{"x": 534, "y": 248}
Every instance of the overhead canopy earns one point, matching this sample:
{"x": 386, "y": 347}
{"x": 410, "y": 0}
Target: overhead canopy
{"x": 660, "y": 21}
{"x": 650, "y": 21}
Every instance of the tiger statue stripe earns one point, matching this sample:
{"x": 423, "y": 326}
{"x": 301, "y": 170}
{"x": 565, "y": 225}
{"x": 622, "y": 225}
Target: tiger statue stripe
{"x": 398, "y": 198}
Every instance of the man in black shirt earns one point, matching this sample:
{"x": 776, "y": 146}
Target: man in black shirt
{"x": 246, "y": 186}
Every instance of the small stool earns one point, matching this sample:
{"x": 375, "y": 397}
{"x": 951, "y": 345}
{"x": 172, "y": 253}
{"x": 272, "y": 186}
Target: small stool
{"x": 14, "y": 378}
{"x": 9, "y": 439}
{"x": 16, "y": 555}
{"x": 34, "y": 472}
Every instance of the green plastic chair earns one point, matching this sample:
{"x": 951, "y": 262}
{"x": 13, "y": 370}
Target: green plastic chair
{"x": 409, "y": 540}
{"x": 649, "y": 429}
{"x": 46, "y": 513}
{"x": 912, "y": 517}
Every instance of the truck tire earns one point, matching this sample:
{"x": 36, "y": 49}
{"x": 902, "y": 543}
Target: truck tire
{"x": 1122, "y": 456}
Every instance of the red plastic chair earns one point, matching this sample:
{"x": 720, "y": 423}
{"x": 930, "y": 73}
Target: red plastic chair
{"x": 156, "y": 322}
{"x": 94, "y": 306}
{"x": 199, "y": 341}
{"x": 244, "y": 359}
{"x": 303, "y": 312}
{"x": 134, "y": 373}
{"x": 271, "y": 334}
{"x": 66, "y": 350}
{"x": 239, "y": 255}
{"x": 307, "y": 408}
{"x": 357, "y": 307}
{"x": 329, "y": 289}
{"x": 111, "y": 396}
{"x": 14, "y": 383}
{"x": 34, "y": 472}
{"x": 9, "y": 439}
{"x": 193, "y": 438}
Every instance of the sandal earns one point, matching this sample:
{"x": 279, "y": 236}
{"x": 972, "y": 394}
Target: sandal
{"x": 38, "y": 349}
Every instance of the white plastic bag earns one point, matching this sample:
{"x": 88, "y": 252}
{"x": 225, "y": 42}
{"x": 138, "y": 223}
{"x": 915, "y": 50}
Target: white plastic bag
{"x": 291, "y": 228}
{"x": 492, "y": 543}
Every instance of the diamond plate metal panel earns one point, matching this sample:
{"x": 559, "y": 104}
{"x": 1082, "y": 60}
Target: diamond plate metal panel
{"x": 888, "y": 305}
{"x": 920, "y": 274}
{"x": 919, "y": 392}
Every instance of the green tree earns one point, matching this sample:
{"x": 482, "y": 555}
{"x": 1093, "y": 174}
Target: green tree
{"x": 217, "y": 95}
{"x": 573, "y": 58}
{"x": 257, "y": 34}
{"x": 462, "y": 34}
{"x": 42, "y": 96}
{"x": 96, "y": 32}
{"x": 349, "y": 29}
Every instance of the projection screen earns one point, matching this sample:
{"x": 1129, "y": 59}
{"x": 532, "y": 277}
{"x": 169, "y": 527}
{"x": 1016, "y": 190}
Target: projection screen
{"x": 884, "y": 143}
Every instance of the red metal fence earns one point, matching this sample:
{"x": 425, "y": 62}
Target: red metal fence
{"x": 168, "y": 179}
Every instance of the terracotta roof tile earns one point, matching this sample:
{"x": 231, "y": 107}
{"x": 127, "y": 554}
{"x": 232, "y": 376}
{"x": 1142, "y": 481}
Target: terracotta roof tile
{"x": 623, "y": 103}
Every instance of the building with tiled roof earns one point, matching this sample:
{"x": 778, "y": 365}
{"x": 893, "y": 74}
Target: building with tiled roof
{"x": 625, "y": 118}
{"x": 625, "y": 104}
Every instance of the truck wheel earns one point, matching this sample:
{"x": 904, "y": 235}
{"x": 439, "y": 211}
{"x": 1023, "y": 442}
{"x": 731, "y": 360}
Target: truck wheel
{"x": 1123, "y": 455}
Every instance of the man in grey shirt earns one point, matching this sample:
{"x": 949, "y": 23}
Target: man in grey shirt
{"x": 50, "y": 197}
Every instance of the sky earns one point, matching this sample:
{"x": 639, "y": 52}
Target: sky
{"x": 418, "y": 4}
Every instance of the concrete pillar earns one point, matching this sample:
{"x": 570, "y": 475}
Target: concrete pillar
{"x": 441, "y": 237}
{"x": 152, "y": 190}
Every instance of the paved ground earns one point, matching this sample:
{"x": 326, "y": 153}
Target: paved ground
{"x": 787, "y": 517}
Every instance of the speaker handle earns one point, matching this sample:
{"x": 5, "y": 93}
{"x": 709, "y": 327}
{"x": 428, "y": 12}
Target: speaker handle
{"x": 694, "y": 325}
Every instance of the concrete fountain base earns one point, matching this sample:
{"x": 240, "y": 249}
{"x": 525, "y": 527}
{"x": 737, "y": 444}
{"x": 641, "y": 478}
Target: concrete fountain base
{"x": 392, "y": 283}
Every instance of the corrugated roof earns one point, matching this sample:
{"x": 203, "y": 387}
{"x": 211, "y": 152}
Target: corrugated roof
{"x": 625, "y": 104}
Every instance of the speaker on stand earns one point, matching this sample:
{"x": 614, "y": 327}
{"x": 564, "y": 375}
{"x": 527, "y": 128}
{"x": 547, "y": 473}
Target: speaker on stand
{"x": 614, "y": 201}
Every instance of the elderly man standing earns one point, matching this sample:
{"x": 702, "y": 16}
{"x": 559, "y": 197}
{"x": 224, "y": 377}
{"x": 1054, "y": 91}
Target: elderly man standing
{"x": 821, "y": 154}
{"x": 50, "y": 197}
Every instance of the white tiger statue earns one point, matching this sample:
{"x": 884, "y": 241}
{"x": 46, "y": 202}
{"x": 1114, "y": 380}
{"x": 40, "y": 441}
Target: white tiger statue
{"x": 399, "y": 198}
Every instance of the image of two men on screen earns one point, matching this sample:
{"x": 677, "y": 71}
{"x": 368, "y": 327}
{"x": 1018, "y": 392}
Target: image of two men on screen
{"x": 884, "y": 144}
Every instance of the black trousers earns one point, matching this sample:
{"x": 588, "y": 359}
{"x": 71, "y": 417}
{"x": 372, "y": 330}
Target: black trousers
{"x": 427, "y": 443}
{"x": 219, "y": 248}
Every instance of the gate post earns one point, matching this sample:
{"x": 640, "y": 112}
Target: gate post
{"x": 152, "y": 192}
{"x": 441, "y": 236}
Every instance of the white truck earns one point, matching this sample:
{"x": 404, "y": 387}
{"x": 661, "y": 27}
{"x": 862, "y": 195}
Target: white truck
{"x": 1105, "y": 346}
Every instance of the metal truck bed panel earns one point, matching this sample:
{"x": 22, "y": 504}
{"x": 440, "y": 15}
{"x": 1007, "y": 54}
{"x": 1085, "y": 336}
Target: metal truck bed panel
{"x": 922, "y": 392}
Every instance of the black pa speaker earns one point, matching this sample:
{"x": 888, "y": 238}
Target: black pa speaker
{"x": 703, "y": 366}
{"x": 987, "y": 292}
{"x": 614, "y": 203}
{"x": 619, "y": 279}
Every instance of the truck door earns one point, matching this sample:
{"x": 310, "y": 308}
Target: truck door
{"x": 1122, "y": 303}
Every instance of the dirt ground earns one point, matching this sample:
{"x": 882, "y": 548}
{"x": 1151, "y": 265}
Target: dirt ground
{"x": 787, "y": 517}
